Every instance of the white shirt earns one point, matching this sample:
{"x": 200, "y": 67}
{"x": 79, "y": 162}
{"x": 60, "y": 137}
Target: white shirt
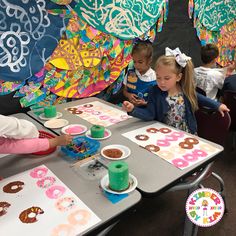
{"x": 149, "y": 76}
{"x": 209, "y": 80}
{"x": 11, "y": 127}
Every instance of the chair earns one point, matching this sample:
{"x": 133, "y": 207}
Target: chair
{"x": 213, "y": 127}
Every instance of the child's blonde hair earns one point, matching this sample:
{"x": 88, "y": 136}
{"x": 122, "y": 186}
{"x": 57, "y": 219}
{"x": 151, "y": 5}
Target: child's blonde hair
{"x": 186, "y": 82}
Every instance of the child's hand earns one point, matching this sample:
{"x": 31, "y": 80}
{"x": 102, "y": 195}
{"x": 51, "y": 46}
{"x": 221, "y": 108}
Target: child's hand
{"x": 128, "y": 106}
{"x": 132, "y": 97}
{"x": 223, "y": 108}
{"x": 61, "y": 140}
{"x": 140, "y": 102}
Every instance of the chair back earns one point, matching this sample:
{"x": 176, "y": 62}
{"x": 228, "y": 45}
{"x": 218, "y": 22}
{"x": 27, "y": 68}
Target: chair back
{"x": 212, "y": 126}
{"x": 201, "y": 91}
{"x": 230, "y": 101}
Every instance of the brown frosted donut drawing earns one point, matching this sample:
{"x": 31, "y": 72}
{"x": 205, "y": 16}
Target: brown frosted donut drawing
{"x": 165, "y": 130}
{"x": 3, "y": 208}
{"x": 191, "y": 140}
{"x": 74, "y": 110}
{"x": 185, "y": 145}
{"x": 13, "y": 187}
{"x": 142, "y": 137}
{"x": 152, "y": 148}
{"x": 88, "y": 105}
{"x": 29, "y": 215}
{"x": 152, "y": 130}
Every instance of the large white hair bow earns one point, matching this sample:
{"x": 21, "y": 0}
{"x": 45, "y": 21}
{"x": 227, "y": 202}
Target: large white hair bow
{"x": 180, "y": 57}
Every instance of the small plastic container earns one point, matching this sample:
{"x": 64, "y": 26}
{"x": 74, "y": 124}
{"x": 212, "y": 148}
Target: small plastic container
{"x": 44, "y": 134}
{"x": 81, "y": 148}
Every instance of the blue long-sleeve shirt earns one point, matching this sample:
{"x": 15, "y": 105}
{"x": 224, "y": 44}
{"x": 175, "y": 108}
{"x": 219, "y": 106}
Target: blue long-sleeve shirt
{"x": 157, "y": 108}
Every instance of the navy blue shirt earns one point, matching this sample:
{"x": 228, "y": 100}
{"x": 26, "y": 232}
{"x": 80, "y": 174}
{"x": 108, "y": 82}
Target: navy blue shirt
{"x": 157, "y": 108}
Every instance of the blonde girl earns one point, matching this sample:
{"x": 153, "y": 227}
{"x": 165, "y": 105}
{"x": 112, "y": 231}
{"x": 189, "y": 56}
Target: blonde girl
{"x": 173, "y": 100}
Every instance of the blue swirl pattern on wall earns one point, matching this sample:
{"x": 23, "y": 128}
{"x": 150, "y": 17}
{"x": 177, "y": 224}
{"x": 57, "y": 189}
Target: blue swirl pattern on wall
{"x": 28, "y": 36}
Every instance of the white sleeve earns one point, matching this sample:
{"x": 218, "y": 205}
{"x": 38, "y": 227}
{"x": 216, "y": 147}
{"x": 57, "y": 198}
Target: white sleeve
{"x": 11, "y": 127}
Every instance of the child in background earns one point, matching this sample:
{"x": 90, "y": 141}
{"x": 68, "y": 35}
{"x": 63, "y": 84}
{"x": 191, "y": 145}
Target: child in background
{"x": 208, "y": 77}
{"x": 174, "y": 100}
{"x": 21, "y": 136}
{"x": 142, "y": 76}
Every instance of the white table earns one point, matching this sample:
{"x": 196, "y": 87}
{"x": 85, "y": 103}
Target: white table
{"x": 154, "y": 174}
{"x": 86, "y": 189}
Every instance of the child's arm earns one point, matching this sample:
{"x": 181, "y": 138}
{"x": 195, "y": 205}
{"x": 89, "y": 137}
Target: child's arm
{"x": 147, "y": 113}
{"x": 20, "y": 146}
{"x": 207, "y": 102}
{"x": 12, "y": 127}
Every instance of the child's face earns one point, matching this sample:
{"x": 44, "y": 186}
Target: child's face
{"x": 141, "y": 63}
{"x": 166, "y": 77}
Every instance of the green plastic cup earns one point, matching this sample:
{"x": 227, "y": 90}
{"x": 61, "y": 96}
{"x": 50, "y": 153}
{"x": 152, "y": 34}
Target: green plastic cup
{"x": 50, "y": 111}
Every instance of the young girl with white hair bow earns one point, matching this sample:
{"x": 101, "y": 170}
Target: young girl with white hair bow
{"x": 174, "y": 100}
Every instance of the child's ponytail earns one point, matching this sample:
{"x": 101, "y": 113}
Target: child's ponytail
{"x": 187, "y": 84}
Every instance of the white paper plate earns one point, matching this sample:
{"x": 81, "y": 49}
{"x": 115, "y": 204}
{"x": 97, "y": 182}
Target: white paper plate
{"x": 125, "y": 151}
{"x": 107, "y": 134}
{"x": 56, "y": 123}
{"x": 42, "y": 116}
{"x": 133, "y": 183}
{"x": 74, "y": 129}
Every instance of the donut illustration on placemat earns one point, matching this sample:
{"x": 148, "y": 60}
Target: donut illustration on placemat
{"x": 30, "y": 215}
{"x": 30, "y": 198}
{"x": 98, "y": 113}
{"x": 13, "y": 187}
{"x": 3, "y": 208}
{"x": 174, "y": 146}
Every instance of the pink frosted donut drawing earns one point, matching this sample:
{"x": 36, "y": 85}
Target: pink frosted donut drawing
{"x": 46, "y": 182}
{"x": 65, "y": 204}
{"x": 124, "y": 117}
{"x": 180, "y": 163}
{"x": 190, "y": 157}
{"x": 79, "y": 217}
{"x": 177, "y": 134}
{"x": 163, "y": 143}
{"x": 55, "y": 191}
{"x": 96, "y": 113}
{"x": 89, "y": 110}
{"x": 38, "y": 172}
{"x": 104, "y": 117}
{"x": 171, "y": 138}
{"x": 112, "y": 120}
{"x": 63, "y": 229}
{"x": 199, "y": 153}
